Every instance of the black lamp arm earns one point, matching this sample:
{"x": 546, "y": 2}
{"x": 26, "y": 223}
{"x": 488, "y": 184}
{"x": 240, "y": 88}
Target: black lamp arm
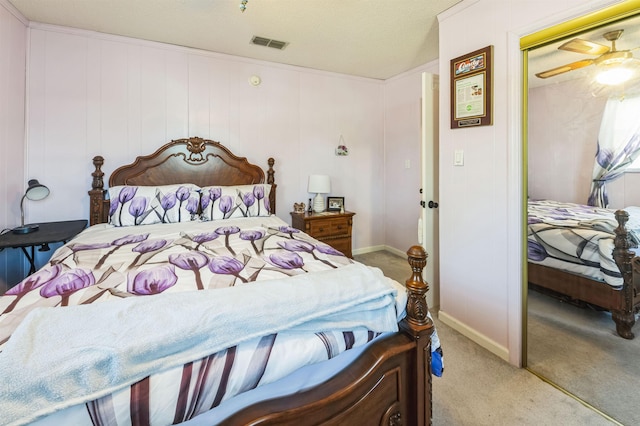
{"x": 22, "y": 209}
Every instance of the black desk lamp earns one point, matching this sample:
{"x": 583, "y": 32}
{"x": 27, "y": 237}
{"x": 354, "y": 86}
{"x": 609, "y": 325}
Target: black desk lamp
{"x": 35, "y": 192}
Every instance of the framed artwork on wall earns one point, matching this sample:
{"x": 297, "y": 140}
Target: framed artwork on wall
{"x": 471, "y": 89}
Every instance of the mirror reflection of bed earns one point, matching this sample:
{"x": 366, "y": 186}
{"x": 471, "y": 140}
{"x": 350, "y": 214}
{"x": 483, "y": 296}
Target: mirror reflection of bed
{"x": 582, "y": 338}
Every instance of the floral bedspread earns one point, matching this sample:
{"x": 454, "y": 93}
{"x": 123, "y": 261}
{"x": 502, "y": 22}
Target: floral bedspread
{"x": 105, "y": 264}
{"x": 575, "y": 238}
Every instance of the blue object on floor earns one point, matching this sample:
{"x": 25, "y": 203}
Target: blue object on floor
{"x": 437, "y": 366}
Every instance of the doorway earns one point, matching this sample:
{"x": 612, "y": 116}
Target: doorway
{"x": 428, "y": 231}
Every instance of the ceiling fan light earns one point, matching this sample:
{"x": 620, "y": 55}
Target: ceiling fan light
{"x": 614, "y": 75}
{"x": 613, "y": 58}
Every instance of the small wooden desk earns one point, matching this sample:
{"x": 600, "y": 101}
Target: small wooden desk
{"x": 49, "y": 232}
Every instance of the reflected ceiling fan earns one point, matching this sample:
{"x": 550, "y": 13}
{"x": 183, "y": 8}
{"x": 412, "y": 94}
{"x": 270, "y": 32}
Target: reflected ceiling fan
{"x": 609, "y": 57}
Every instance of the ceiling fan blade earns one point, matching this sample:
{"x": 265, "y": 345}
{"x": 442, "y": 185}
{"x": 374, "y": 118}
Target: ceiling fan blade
{"x": 564, "y": 68}
{"x": 587, "y": 47}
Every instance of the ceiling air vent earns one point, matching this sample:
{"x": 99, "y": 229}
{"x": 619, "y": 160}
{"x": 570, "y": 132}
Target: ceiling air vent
{"x": 267, "y": 42}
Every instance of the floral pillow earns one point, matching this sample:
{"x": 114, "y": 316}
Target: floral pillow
{"x": 225, "y": 202}
{"x": 145, "y": 205}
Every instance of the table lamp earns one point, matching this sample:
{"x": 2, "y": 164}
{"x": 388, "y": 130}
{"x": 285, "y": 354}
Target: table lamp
{"x": 35, "y": 192}
{"x": 319, "y": 184}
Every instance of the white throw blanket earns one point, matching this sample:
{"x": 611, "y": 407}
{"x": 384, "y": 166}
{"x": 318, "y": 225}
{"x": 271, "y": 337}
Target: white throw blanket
{"x": 61, "y": 357}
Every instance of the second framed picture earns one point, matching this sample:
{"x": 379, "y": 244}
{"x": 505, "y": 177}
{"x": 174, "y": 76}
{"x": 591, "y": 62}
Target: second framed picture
{"x": 335, "y": 204}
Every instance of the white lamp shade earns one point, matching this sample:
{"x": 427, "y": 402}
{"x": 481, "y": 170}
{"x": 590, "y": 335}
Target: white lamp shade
{"x": 319, "y": 184}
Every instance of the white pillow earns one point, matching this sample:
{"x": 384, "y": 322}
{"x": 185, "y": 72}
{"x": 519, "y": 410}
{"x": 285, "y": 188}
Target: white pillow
{"x": 225, "y": 202}
{"x": 145, "y": 205}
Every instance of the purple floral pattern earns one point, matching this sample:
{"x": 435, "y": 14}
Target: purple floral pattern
{"x": 90, "y": 270}
{"x": 190, "y": 261}
{"x": 148, "y": 247}
{"x": 303, "y": 246}
{"x": 228, "y": 266}
{"x": 117, "y": 243}
{"x": 287, "y": 260}
{"x": 227, "y": 231}
{"x": 226, "y": 202}
{"x": 152, "y": 281}
{"x": 141, "y": 205}
{"x": 226, "y": 206}
{"x": 64, "y": 285}
{"x": 253, "y": 236}
{"x": 30, "y": 283}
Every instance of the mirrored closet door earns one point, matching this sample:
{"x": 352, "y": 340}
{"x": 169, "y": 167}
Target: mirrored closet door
{"x": 581, "y": 130}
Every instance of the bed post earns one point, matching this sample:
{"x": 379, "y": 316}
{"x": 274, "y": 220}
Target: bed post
{"x": 271, "y": 180}
{"x": 96, "y": 195}
{"x": 624, "y": 316}
{"x": 418, "y": 325}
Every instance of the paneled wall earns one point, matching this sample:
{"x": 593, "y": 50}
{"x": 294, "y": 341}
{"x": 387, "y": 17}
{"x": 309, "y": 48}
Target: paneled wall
{"x": 13, "y": 41}
{"x": 119, "y": 98}
{"x": 92, "y": 94}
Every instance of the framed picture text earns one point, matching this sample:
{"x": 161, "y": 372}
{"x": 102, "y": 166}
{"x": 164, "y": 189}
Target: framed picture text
{"x": 471, "y": 89}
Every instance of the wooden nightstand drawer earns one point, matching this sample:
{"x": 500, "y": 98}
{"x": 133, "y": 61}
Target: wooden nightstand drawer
{"x": 343, "y": 245}
{"x": 341, "y": 226}
{"x": 333, "y": 229}
{"x": 320, "y": 228}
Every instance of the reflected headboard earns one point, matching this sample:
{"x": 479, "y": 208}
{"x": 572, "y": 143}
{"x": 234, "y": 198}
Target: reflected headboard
{"x": 194, "y": 160}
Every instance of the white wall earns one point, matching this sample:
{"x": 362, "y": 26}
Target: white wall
{"x": 92, "y": 94}
{"x": 481, "y": 215}
{"x": 13, "y": 42}
{"x": 564, "y": 121}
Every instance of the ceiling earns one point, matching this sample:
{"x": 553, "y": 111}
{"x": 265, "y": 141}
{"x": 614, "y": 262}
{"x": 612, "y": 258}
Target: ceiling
{"x": 548, "y": 57}
{"x": 368, "y": 38}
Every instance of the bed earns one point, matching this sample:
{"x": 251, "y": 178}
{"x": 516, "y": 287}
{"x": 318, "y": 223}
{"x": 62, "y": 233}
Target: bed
{"x": 586, "y": 255}
{"x": 188, "y": 301}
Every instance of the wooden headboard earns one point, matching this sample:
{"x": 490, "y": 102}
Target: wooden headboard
{"x": 194, "y": 160}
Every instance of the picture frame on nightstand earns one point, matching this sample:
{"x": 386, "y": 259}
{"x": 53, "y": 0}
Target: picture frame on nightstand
{"x": 335, "y": 204}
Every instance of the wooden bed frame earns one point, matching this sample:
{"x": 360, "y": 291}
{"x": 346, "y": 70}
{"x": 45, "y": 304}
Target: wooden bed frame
{"x": 623, "y": 303}
{"x": 388, "y": 384}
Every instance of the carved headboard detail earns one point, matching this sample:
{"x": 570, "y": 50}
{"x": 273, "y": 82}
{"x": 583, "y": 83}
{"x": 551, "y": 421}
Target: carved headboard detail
{"x": 194, "y": 160}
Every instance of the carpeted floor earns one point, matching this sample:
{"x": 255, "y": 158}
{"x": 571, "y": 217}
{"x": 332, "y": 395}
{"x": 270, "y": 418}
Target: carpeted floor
{"x": 478, "y": 388}
{"x": 579, "y": 350}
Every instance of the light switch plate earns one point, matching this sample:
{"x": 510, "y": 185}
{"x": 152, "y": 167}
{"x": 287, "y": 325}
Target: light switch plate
{"x": 458, "y": 157}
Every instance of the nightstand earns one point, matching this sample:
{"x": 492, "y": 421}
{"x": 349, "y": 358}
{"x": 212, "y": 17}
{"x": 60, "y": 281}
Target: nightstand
{"x": 328, "y": 227}
{"x": 48, "y": 233}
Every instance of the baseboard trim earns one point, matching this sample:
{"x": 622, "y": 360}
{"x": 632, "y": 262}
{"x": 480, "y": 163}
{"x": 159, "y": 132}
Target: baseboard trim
{"x": 473, "y": 335}
{"x": 371, "y": 249}
{"x": 396, "y": 251}
{"x": 367, "y": 250}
